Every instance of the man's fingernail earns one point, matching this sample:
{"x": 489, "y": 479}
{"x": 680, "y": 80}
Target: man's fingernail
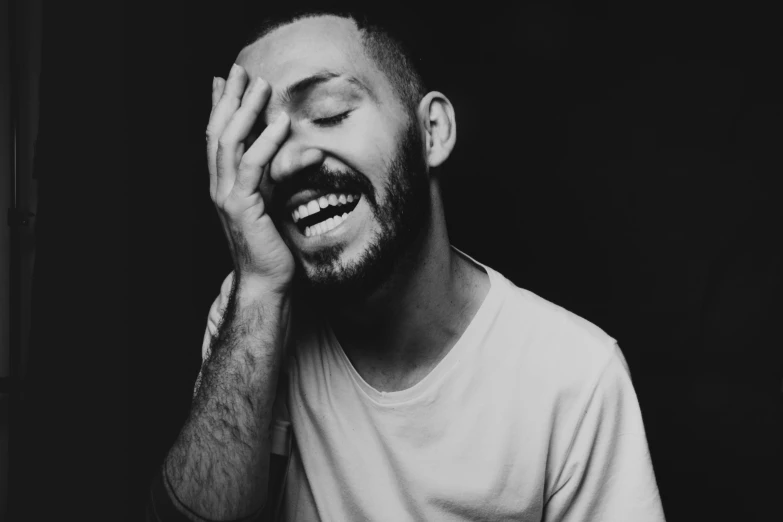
{"x": 214, "y": 82}
{"x": 234, "y": 70}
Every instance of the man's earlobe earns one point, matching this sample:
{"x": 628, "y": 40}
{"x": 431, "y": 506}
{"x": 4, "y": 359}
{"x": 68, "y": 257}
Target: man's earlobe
{"x": 440, "y": 125}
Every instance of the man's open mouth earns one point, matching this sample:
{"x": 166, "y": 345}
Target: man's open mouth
{"x": 322, "y": 214}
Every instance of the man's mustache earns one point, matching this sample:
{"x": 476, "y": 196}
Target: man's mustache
{"x": 322, "y": 179}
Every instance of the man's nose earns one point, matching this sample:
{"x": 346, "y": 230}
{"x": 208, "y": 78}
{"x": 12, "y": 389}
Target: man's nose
{"x": 295, "y": 154}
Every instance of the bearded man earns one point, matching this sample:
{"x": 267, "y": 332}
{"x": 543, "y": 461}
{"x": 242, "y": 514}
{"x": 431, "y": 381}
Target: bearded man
{"x": 356, "y": 366}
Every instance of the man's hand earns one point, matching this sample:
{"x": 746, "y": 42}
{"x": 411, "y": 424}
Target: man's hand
{"x": 259, "y": 253}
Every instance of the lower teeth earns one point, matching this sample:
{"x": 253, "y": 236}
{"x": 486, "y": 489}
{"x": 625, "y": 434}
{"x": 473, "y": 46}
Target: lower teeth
{"x": 325, "y": 226}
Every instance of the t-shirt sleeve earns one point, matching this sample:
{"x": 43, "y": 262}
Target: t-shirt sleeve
{"x": 607, "y": 473}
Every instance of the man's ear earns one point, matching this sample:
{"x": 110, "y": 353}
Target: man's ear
{"x": 436, "y": 116}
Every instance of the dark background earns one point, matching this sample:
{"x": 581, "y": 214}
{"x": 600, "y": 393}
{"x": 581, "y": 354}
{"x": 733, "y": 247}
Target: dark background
{"x": 619, "y": 160}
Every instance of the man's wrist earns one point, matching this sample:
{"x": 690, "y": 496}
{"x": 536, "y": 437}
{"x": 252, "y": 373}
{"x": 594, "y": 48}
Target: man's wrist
{"x": 253, "y": 284}
{"x": 252, "y": 290}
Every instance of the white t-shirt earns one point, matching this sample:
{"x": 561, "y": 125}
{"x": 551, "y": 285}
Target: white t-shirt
{"x": 531, "y": 416}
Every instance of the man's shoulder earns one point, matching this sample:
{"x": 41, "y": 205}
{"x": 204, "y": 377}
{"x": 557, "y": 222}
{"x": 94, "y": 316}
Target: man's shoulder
{"x": 552, "y": 341}
{"x": 528, "y": 318}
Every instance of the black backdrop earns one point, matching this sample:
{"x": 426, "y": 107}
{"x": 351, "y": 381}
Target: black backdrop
{"x": 617, "y": 159}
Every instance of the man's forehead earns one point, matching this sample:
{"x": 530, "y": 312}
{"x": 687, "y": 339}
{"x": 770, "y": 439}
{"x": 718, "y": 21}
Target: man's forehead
{"x": 306, "y": 47}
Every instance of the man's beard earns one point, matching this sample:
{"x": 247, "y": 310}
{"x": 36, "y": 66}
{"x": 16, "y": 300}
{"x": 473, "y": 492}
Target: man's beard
{"x": 403, "y": 217}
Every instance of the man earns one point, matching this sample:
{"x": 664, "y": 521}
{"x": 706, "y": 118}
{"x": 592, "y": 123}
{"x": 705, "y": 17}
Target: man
{"x": 358, "y": 367}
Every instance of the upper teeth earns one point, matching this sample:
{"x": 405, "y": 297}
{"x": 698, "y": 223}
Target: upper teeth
{"x": 317, "y": 204}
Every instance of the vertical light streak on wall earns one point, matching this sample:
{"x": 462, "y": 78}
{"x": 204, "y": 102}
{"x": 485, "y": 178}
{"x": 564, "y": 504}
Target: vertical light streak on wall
{"x": 6, "y": 200}
{"x": 20, "y": 65}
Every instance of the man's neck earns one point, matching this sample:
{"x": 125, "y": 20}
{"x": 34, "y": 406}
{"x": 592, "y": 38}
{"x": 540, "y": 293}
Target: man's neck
{"x": 397, "y": 338}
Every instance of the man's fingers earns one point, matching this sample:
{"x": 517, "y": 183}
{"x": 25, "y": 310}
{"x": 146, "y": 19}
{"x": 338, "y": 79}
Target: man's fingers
{"x": 230, "y": 144}
{"x": 218, "y": 85}
{"x": 242, "y": 121}
{"x": 221, "y": 114}
{"x": 225, "y": 96}
{"x": 235, "y": 83}
{"x": 259, "y": 155}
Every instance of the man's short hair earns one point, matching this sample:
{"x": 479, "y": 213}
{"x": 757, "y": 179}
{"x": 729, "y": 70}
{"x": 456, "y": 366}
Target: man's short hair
{"x": 388, "y": 52}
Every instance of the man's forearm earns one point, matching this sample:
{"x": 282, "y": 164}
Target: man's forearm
{"x": 218, "y": 467}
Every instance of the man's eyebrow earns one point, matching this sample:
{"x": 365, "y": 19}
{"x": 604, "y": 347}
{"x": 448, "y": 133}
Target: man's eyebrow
{"x": 305, "y": 85}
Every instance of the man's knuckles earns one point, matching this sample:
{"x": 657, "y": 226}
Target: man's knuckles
{"x": 248, "y": 165}
{"x": 237, "y": 129}
{"x": 229, "y": 206}
{"x": 227, "y": 141}
{"x": 212, "y": 133}
{"x": 238, "y": 207}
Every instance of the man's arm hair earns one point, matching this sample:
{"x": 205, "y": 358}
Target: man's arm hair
{"x": 161, "y": 506}
{"x": 218, "y": 468}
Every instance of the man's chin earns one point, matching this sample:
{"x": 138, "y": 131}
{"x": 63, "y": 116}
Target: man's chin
{"x": 331, "y": 275}
{"x": 323, "y": 277}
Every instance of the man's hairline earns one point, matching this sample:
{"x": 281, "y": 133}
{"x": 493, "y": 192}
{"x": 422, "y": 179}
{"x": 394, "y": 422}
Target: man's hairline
{"x": 410, "y": 112}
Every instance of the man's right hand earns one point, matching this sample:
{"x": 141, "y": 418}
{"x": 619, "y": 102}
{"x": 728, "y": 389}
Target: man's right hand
{"x": 258, "y": 250}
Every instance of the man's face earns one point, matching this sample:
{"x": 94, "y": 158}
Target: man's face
{"x": 349, "y": 190}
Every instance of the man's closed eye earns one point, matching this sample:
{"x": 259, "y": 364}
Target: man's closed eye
{"x": 331, "y": 121}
